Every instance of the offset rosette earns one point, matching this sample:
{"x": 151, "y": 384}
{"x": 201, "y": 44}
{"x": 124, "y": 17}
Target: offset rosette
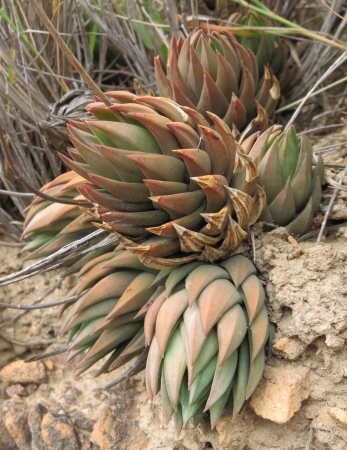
{"x": 207, "y": 331}
{"x": 49, "y": 225}
{"x": 106, "y": 319}
{"x": 213, "y": 72}
{"x": 269, "y": 50}
{"x": 289, "y": 176}
{"x": 172, "y": 187}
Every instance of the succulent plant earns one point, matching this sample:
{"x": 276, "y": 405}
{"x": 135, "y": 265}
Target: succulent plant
{"x": 49, "y": 226}
{"x": 170, "y": 186}
{"x": 106, "y": 319}
{"x": 289, "y": 177}
{"x": 213, "y": 72}
{"x": 269, "y": 50}
{"x": 207, "y": 331}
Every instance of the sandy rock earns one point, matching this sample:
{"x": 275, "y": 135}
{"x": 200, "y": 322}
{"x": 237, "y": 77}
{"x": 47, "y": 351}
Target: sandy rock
{"x": 6, "y": 441}
{"x": 15, "y": 389}
{"x": 281, "y": 392}
{"x": 339, "y": 414}
{"x": 58, "y": 432}
{"x": 23, "y": 373}
{"x": 16, "y": 422}
{"x": 36, "y": 412}
{"x": 324, "y": 419}
{"x": 289, "y": 347}
{"x": 233, "y": 433}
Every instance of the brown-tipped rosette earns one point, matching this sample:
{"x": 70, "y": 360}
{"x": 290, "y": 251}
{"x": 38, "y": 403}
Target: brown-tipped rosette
{"x": 171, "y": 186}
{"x": 213, "y": 72}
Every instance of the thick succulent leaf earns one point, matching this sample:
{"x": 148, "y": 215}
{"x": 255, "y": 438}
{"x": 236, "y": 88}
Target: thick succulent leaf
{"x": 302, "y": 222}
{"x": 101, "y": 309}
{"x": 217, "y": 298}
{"x": 185, "y": 134}
{"x": 282, "y": 208}
{"x": 200, "y": 278}
{"x": 168, "y": 317}
{"x": 212, "y": 98}
{"x": 179, "y": 205}
{"x": 124, "y": 135}
{"x": 216, "y": 410}
{"x": 301, "y": 184}
{"x": 151, "y": 317}
{"x": 217, "y": 150}
{"x": 202, "y": 381}
{"x": 208, "y": 351}
{"x": 288, "y": 150}
{"x": 269, "y": 170}
{"x": 194, "y": 331}
{"x": 130, "y": 192}
{"x": 259, "y": 332}
{"x": 197, "y": 161}
{"x": 236, "y": 113}
{"x": 179, "y": 274}
{"x": 159, "y": 187}
{"x": 242, "y": 204}
{"x": 222, "y": 379}
{"x": 241, "y": 377}
{"x": 127, "y": 170}
{"x": 110, "y": 339}
{"x": 97, "y": 162}
{"x": 174, "y": 366}
{"x": 231, "y": 330}
{"x": 256, "y": 370}
{"x": 190, "y": 221}
{"x": 159, "y": 167}
{"x": 239, "y": 268}
{"x": 156, "y": 124}
{"x": 254, "y": 296}
{"x": 166, "y": 405}
{"x": 140, "y": 218}
{"x": 154, "y": 361}
{"x": 112, "y": 285}
{"x": 135, "y": 296}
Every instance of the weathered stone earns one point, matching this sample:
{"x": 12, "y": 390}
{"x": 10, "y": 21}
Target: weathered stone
{"x": 281, "y": 392}
{"x": 58, "y": 432}
{"x": 289, "y": 347}
{"x": 6, "y": 441}
{"x": 15, "y": 389}
{"x": 16, "y": 421}
{"x": 339, "y": 414}
{"x": 233, "y": 433}
{"x": 23, "y": 373}
{"x": 82, "y": 422}
{"x": 36, "y": 412}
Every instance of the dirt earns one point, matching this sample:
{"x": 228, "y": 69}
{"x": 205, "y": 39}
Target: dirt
{"x": 300, "y": 404}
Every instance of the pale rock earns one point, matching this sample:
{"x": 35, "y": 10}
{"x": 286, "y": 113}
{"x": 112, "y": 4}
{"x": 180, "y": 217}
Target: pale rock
{"x": 24, "y": 373}
{"x": 289, "y": 347}
{"x": 6, "y": 441}
{"x": 339, "y": 414}
{"x": 324, "y": 419}
{"x": 281, "y": 392}
{"x": 233, "y": 433}
{"x": 15, "y": 389}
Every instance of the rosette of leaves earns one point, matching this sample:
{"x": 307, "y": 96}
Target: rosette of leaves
{"x": 207, "y": 331}
{"x": 106, "y": 318}
{"x": 213, "y": 72}
{"x": 49, "y": 225}
{"x": 269, "y": 50}
{"x": 289, "y": 175}
{"x": 172, "y": 187}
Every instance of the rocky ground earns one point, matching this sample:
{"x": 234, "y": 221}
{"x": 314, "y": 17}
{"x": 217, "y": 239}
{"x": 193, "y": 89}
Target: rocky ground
{"x": 299, "y": 404}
